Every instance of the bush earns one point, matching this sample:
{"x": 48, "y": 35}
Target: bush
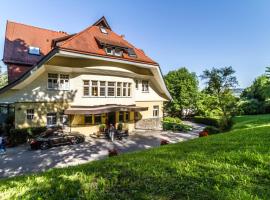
{"x": 203, "y": 134}
{"x": 176, "y": 126}
{"x": 211, "y": 121}
{"x": 211, "y": 130}
{"x": 172, "y": 119}
{"x": 20, "y": 136}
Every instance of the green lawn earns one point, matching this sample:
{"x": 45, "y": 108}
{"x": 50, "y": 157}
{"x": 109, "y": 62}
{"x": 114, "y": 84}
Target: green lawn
{"x": 232, "y": 165}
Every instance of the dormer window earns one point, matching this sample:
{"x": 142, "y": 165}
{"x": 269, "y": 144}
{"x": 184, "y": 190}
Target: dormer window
{"x": 131, "y": 53}
{"x": 103, "y": 30}
{"x": 109, "y": 50}
{"x": 118, "y": 52}
{"x": 34, "y": 50}
{"x": 114, "y": 51}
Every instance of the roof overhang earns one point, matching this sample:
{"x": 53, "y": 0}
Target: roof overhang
{"x": 87, "y": 110}
{"x": 155, "y": 69}
{"x": 39, "y": 68}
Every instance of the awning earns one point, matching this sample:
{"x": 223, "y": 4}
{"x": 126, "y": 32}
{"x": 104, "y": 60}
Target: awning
{"x": 86, "y": 110}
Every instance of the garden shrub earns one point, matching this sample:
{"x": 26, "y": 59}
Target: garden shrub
{"x": 211, "y": 121}
{"x": 212, "y": 130}
{"x": 203, "y": 134}
{"x": 176, "y": 126}
{"x": 172, "y": 119}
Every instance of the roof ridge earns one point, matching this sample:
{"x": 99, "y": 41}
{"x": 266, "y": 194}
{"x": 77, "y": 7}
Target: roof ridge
{"x": 8, "y": 21}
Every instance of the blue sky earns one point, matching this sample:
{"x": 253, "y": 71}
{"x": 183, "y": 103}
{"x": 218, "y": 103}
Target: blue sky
{"x": 196, "y": 34}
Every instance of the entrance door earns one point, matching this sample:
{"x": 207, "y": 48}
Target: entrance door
{"x": 111, "y": 118}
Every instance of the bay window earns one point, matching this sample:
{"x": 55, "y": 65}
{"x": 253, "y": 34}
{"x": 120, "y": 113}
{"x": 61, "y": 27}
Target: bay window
{"x": 94, "y": 88}
{"x": 124, "y": 89}
{"x": 119, "y": 89}
{"x": 102, "y": 88}
{"x": 111, "y": 89}
{"x": 86, "y": 88}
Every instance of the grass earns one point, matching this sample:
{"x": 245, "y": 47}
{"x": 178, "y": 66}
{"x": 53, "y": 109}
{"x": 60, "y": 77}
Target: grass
{"x": 233, "y": 165}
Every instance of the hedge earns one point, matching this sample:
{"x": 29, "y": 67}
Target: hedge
{"x": 211, "y": 121}
{"x": 176, "y": 126}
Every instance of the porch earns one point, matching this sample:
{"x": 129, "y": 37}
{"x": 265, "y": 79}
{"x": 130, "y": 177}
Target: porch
{"x": 90, "y": 120}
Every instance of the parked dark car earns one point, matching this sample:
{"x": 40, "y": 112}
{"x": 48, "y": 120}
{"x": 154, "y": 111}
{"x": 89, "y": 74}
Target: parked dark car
{"x": 50, "y": 139}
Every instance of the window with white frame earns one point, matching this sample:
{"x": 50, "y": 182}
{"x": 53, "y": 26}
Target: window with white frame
{"x": 118, "y": 52}
{"x": 64, "y": 82}
{"x": 124, "y": 89}
{"x": 94, "y": 88}
{"x": 102, "y": 88}
{"x": 109, "y": 51}
{"x": 86, "y": 88}
{"x": 129, "y": 90}
{"x": 114, "y": 51}
{"x": 58, "y": 81}
{"x": 103, "y": 30}
{"x": 119, "y": 89}
{"x": 111, "y": 89}
{"x": 51, "y": 119}
{"x": 30, "y": 114}
{"x": 145, "y": 86}
{"x": 136, "y": 84}
{"x": 52, "y": 81}
{"x": 155, "y": 111}
{"x": 34, "y": 50}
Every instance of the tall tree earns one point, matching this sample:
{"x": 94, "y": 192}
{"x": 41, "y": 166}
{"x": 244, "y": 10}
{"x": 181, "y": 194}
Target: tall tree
{"x": 267, "y": 72}
{"x": 183, "y": 86}
{"x": 3, "y": 78}
{"x": 219, "y": 82}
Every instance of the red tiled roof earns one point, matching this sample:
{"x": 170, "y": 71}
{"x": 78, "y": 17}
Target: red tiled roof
{"x": 20, "y": 36}
{"x": 85, "y": 42}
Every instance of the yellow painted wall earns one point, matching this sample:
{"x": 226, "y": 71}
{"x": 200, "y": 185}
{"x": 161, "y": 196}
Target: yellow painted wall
{"x": 150, "y": 104}
{"x": 40, "y": 113}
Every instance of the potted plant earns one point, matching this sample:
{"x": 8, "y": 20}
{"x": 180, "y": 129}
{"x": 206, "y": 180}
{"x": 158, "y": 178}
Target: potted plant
{"x": 102, "y": 128}
{"x": 120, "y": 127}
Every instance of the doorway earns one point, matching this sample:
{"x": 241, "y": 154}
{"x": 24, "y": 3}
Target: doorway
{"x": 111, "y": 119}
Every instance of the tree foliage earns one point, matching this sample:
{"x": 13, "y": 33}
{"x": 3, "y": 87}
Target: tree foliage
{"x": 3, "y": 78}
{"x": 183, "y": 86}
{"x": 258, "y": 90}
{"x": 219, "y": 82}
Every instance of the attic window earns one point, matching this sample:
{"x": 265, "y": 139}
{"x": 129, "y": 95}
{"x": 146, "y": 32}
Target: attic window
{"x": 109, "y": 50}
{"x": 34, "y": 50}
{"x": 114, "y": 51}
{"x": 103, "y": 30}
{"x": 131, "y": 53}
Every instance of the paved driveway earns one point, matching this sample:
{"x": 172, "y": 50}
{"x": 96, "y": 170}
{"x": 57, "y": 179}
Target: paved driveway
{"x": 20, "y": 160}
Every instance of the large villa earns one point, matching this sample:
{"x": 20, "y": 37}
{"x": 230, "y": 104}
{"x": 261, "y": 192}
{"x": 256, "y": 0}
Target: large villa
{"x": 80, "y": 80}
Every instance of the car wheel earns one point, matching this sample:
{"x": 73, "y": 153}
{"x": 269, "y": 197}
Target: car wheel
{"x": 75, "y": 140}
{"x": 44, "y": 145}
